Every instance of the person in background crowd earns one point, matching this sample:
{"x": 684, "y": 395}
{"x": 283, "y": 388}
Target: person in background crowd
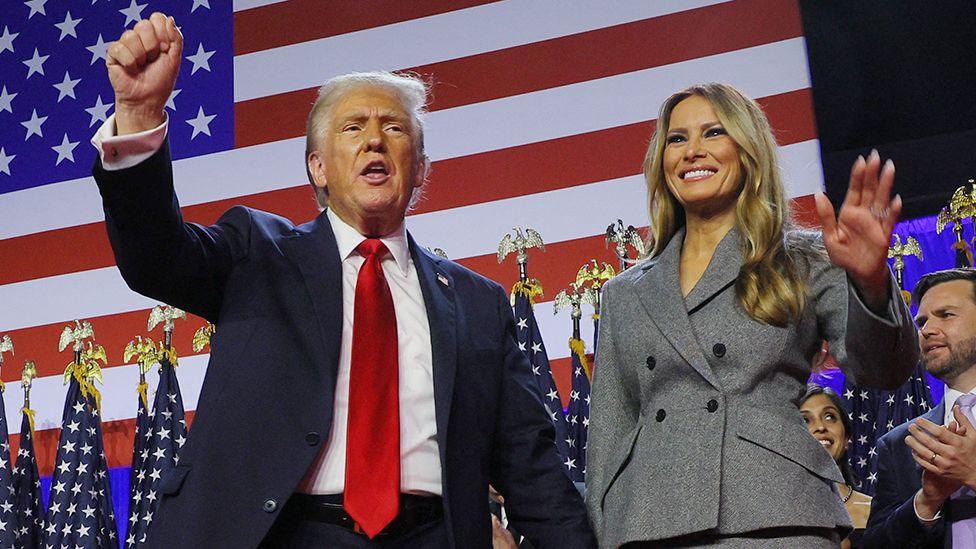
{"x": 927, "y": 466}
{"x": 705, "y": 348}
{"x": 831, "y": 426}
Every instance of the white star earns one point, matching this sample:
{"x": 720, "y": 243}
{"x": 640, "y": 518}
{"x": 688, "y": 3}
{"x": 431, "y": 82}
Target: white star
{"x": 59, "y": 488}
{"x": 863, "y": 418}
{"x": 76, "y": 489}
{"x": 201, "y": 124}
{"x": 5, "y": 161}
{"x": 68, "y": 447}
{"x": 35, "y": 64}
{"x": 133, "y": 13}
{"x": 172, "y": 396}
{"x": 7, "y": 40}
{"x": 160, "y": 453}
{"x": 98, "y": 111}
{"x": 166, "y": 413}
{"x": 861, "y": 462}
{"x": 522, "y": 323}
{"x": 6, "y": 100}
{"x": 86, "y": 449}
{"x": 67, "y": 87}
{"x": 574, "y": 395}
{"x": 890, "y": 425}
{"x": 36, "y": 6}
{"x": 864, "y": 395}
{"x": 64, "y": 466}
{"x": 535, "y": 369}
{"x": 78, "y": 407}
{"x": 536, "y": 347}
{"x": 200, "y": 59}
{"x": 169, "y": 102}
{"x": 162, "y": 433}
{"x": 873, "y": 477}
{"x": 71, "y": 509}
{"x": 180, "y": 440}
{"x": 7, "y": 506}
{"x": 552, "y": 394}
{"x": 67, "y": 27}
{"x": 909, "y": 399}
{"x": 872, "y": 452}
{"x": 522, "y": 346}
{"x": 155, "y": 474}
{"x": 891, "y": 400}
{"x": 570, "y": 464}
{"x": 848, "y": 394}
{"x": 863, "y": 439}
{"x": 198, "y": 3}
{"x": 66, "y": 151}
{"x": 99, "y": 50}
{"x": 88, "y": 511}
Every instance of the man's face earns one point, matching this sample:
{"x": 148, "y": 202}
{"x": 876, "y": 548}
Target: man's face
{"x": 366, "y": 160}
{"x": 947, "y": 333}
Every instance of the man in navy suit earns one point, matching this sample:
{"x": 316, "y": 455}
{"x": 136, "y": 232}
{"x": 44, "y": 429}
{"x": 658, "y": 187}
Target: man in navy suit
{"x": 927, "y": 466}
{"x": 361, "y": 392}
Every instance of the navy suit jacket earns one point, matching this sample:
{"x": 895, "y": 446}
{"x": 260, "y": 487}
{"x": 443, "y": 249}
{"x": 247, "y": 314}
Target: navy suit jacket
{"x": 893, "y": 522}
{"x": 265, "y": 409}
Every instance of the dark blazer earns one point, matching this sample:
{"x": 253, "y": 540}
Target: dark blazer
{"x": 694, "y": 426}
{"x": 893, "y": 522}
{"x": 265, "y": 409}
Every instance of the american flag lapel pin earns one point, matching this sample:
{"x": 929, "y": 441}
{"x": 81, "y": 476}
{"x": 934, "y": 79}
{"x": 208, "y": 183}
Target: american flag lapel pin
{"x": 442, "y": 279}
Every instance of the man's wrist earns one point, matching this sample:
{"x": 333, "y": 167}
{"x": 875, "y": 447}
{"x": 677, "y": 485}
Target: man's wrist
{"x": 927, "y": 510}
{"x": 135, "y": 119}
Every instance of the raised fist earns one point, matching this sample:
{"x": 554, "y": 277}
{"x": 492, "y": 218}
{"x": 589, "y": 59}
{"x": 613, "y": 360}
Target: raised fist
{"x": 142, "y": 66}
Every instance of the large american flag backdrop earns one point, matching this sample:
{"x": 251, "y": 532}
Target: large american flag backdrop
{"x": 540, "y": 117}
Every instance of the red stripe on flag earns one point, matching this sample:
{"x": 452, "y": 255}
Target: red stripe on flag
{"x": 297, "y": 21}
{"x": 556, "y": 62}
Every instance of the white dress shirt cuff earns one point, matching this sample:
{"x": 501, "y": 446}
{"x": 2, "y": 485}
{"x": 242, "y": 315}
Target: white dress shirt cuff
{"x": 924, "y": 521}
{"x": 121, "y": 152}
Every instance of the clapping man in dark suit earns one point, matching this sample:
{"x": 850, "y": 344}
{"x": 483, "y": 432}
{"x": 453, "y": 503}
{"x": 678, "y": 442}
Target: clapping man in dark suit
{"x": 927, "y": 466}
{"x": 361, "y": 392}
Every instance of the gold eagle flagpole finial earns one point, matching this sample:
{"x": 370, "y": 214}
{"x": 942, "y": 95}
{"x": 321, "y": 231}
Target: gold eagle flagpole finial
{"x": 202, "y": 337}
{"x": 961, "y": 205}
{"x": 898, "y": 251}
{"x": 519, "y": 244}
{"x": 6, "y": 346}
{"x": 621, "y": 238}
{"x": 26, "y": 380}
{"x": 573, "y": 297}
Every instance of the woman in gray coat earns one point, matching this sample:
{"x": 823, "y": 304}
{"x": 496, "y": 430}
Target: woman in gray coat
{"x": 705, "y": 348}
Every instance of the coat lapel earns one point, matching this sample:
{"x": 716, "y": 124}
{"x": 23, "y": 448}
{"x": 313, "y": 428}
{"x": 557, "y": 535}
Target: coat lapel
{"x": 721, "y": 272}
{"x": 437, "y": 286}
{"x": 659, "y": 292}
{"x": 313, "y": 249}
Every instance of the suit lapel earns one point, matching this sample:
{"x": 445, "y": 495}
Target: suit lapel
{"x": 313, "y": 249}
{"x": 659, "y": 292}
{"x": 437, "y": 286}
{"x": 721, "y": 272}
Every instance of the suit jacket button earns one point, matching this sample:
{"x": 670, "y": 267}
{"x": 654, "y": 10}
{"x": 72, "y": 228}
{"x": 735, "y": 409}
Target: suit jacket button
{"x": 718, "y": 350}
{"x": 651, "y": 362}
{"x": 270, "y": 506}
{"x": 661, "y": 414}
{"x": 312, "y": 438}
{"x": 712, "y": 405}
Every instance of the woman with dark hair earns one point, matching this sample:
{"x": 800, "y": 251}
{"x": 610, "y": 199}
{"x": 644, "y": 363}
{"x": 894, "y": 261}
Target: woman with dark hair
{"x": 705, "y": 347}
{"x": 831, "y": 426}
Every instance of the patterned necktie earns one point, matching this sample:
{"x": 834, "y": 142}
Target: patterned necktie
{"x": 964, "y": 531}
{"x": 372, "y": 492}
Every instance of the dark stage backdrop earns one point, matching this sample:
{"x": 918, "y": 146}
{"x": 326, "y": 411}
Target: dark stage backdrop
{"x": 899, "y": 75}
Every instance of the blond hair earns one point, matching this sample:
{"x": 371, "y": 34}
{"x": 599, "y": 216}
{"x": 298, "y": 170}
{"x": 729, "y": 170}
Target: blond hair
{"x": 772, "y": 283}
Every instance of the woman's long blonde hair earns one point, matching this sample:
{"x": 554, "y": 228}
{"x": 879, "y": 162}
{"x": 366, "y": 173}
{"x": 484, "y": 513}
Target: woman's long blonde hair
{"x": 771, "y": 285}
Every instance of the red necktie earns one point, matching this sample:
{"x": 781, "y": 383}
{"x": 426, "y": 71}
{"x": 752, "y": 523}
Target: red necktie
{"x": 372, "y": 492}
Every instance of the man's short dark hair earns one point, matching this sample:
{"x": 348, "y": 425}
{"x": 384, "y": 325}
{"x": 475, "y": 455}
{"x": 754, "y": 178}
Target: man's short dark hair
{"x": 938, "y": 277}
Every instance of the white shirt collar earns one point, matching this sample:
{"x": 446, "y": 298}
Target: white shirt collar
{"x": 949, "y": 398}
{"x": 348, "y": 239}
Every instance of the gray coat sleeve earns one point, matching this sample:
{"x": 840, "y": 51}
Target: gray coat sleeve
{"x": 872, "y": 350}
{"x": 613, "y": 430}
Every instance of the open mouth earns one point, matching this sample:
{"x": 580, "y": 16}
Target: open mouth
{"x": 698, "y": 174}
{"x": 826, "y": 442}
{"x": 375, "y": 172}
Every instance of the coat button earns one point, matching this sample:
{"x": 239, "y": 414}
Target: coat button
{"x": 718, "y": 350}
{"x": 312, "y": 438}
{"x": 712, "y": 405}
{"x": 661, "y": 414}
{"x": 651, "y": 362}
{"x": 270, "y": 506}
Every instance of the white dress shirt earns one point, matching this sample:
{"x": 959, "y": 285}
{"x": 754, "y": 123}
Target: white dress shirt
{"x": 420, "y": 464}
